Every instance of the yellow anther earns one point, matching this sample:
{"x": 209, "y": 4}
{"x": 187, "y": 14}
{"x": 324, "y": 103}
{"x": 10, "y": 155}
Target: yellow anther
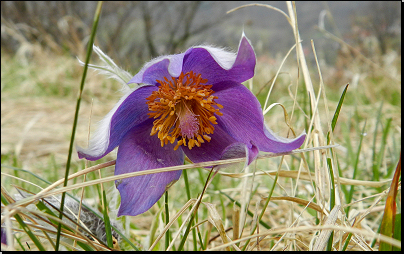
{"x": 200, "y": 139}
{"x": 213, "y": 119}
{"x": 191, "y": 143}
{"x": 207, "y": 137}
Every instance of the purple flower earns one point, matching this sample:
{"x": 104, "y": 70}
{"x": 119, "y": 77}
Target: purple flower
{"x": 191, "y": 103}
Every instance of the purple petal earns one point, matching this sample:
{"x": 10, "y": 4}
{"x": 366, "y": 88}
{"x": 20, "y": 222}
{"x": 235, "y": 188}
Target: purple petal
{"x": 212, "y": 63}
{"x": 243, "y": 120}
{"x": 163, "y": 66}
{"x": 130, "y": 111}
{"x": 221, "y": 146}
{"x": 217, "y": 65}
{"x": 212, "y": 150}
{"x": 139, "y": 151}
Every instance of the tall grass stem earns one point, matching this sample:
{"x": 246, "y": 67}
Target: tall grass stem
{"x": 76, "y": 115}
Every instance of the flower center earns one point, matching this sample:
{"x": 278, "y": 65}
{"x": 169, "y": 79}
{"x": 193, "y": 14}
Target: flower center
{"x": 184, "y": 110}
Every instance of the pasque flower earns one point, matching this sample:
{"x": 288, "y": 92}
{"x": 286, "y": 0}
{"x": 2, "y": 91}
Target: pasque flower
{"x": 191, "y": 103}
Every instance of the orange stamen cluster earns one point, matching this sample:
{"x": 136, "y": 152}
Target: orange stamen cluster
{"x": 184, "y": 110}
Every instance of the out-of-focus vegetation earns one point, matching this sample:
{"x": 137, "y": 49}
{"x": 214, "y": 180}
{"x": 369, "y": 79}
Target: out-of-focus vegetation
{"x": 134, "y": 32}
{"x": 129, "y": 31}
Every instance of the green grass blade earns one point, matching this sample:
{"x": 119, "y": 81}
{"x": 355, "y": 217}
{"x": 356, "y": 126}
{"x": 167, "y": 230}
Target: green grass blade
{"x": 347, "y": 242}
{"x": 332, "y": 201}
{"x": 187, "y": 189}
{"x": 380, "y": 156}
{"x": 351, "y": 191}
{"x": 397, "y": 231}
{"x": 167, "y": 219}
{"x": 374, "y": 156}
{"x": 336, "y": 113}
{"x": 19, "y": 243}
{"x": 107, "y": 223}
{"x": 76, "y": 115}
{"x": 333, "y": 124}
{"x": 338, "y": 109}
{"x": 85, "y": 247}
{"x": 332, "y": 193}
{"x": 330, "y": 242}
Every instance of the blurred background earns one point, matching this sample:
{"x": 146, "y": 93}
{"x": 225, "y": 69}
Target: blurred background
{"x": 134, "y": 32}
{"x": 356, "y": 42}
